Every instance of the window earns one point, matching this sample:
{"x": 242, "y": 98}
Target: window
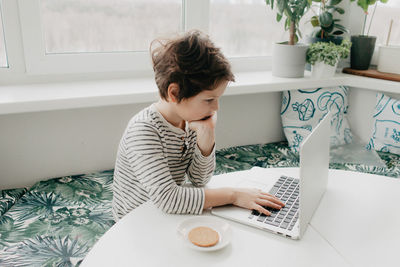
{"x": 3, "y": 55}
{"x": 83, "y": 36}
{"x": 113, "y": 36}
{"x": 79, "y": 26}
{"x": 248, "y": 27}
{"x": 384, "y": 13}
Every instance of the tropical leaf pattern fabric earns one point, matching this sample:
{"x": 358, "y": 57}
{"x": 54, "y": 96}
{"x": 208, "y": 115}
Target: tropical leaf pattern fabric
{"x": 279, "y": 154}
{"x": 9, "y": 197}
{"x": 57, "y": 222}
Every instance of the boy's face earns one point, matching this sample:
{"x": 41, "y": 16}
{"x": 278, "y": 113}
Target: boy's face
{"x": 202, "y": 105}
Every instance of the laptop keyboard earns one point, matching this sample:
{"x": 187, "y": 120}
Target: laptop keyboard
{"x": 287, "y": 190}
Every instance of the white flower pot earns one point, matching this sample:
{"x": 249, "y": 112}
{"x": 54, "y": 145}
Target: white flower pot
{"x": 321, "y": 70}
{"x": 389, "y": 59}
{"x": 289, "y": 60}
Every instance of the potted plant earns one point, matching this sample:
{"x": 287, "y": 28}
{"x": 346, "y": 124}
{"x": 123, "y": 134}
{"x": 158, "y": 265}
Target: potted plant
{"x": 289, "y": 58}
{"x": 326, "y": 27}
{"x": 363, "y": 45}
{"x": 324, "y": 57}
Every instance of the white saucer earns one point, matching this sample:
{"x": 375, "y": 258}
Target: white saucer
{"x": 223, "y": 228}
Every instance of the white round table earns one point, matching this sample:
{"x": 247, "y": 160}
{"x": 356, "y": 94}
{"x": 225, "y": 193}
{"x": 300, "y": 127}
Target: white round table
{"x": 369, "y": 236}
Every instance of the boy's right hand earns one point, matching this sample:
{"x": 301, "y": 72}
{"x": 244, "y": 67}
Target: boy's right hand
{"x": 255, "y": 199}
{"x": 205, "y": 124}
{"x": 205, "y": 130}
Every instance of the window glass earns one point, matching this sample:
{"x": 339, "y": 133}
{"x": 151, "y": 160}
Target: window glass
{"x": 107, "y": 25}
{"x": 3, "y": 55}
{"x": 384, "y": 13}
{"x": 248, "y": 27}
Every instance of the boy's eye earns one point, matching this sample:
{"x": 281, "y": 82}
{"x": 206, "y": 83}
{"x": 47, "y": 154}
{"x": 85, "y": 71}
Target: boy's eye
{"x": 209, "y": 100}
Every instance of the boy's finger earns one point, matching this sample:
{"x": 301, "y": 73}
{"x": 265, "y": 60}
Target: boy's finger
{"x": 268, "y": 203}
{"x": 193, "y": 125}
{"x": 260, "y": 209}
{"x": 196, "y": 124}
{"x": 273, "y": 199}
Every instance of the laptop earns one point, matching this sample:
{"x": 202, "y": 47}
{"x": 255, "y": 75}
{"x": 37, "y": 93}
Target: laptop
{"x": 301, "y": 195}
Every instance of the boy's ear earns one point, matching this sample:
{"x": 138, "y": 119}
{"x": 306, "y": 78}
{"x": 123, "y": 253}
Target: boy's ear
{"x": 173, "y": 92}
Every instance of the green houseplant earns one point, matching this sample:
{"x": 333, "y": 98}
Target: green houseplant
{"x": 289, "y": 57}
{"x": 324, "y": 57}
{"x": 363, "y": 44}
{"x": 326, "y": 27}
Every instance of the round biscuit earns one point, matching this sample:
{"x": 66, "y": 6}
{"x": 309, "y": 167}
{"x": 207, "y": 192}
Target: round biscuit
{"x": 203, "y": 236}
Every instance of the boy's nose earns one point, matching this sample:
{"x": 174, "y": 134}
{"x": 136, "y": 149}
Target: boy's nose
{"x": 216, "y": 105}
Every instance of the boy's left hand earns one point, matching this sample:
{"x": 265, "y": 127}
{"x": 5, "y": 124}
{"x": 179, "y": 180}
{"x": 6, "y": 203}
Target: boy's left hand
{"x": 205, "y": 130}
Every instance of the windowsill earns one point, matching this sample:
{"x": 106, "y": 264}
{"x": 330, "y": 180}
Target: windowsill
{"x": 58, "y": 96}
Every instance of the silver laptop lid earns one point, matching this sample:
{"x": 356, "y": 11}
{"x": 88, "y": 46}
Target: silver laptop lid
{"x": 314, "y": 168}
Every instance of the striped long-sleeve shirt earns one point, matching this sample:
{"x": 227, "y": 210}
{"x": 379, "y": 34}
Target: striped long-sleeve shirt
{"x": 153, "y": 161}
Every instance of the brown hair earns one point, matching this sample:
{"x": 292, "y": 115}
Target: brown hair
{"x": 192, "y": 61}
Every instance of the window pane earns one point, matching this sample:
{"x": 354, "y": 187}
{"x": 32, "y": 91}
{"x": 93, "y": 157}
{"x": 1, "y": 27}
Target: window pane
{"x": 247, "y": 27}
{"x": 381, "y": 22}
{"x": 3, "y": 55}
{"x": 107, "y": 25}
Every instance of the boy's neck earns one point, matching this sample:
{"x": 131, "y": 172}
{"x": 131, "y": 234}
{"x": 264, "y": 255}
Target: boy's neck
{"x": 169, "y": 114}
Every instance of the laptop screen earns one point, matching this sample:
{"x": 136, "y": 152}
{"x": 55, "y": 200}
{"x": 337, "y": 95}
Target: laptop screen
{"x": 314, "y": 169}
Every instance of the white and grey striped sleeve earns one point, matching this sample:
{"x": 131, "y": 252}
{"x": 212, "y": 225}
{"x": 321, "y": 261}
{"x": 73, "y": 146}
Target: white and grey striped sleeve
{"x": 150, "y": 165}
{"x": 201, "y": 167}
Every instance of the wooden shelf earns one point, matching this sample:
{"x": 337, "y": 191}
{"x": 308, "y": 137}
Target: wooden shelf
{"x": 374, "y": 74}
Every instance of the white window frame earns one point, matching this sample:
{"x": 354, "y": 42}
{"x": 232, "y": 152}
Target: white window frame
{"x": 27, "y": 59}
{"x": 37, "y": 62}
{"x": 13, "y": 43}
{"x": 3, "y": 34}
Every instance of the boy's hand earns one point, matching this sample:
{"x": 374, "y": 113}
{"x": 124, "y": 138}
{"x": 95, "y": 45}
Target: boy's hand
{"x": 255, "y": 199}
{"x": 205, "y": 129}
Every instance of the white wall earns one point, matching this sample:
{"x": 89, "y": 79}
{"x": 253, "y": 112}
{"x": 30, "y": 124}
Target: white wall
{"x": 40, "y": 145}
{"x": 249, "y": 119}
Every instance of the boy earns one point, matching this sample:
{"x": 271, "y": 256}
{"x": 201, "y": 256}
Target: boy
{"x": 174, "y": 139}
